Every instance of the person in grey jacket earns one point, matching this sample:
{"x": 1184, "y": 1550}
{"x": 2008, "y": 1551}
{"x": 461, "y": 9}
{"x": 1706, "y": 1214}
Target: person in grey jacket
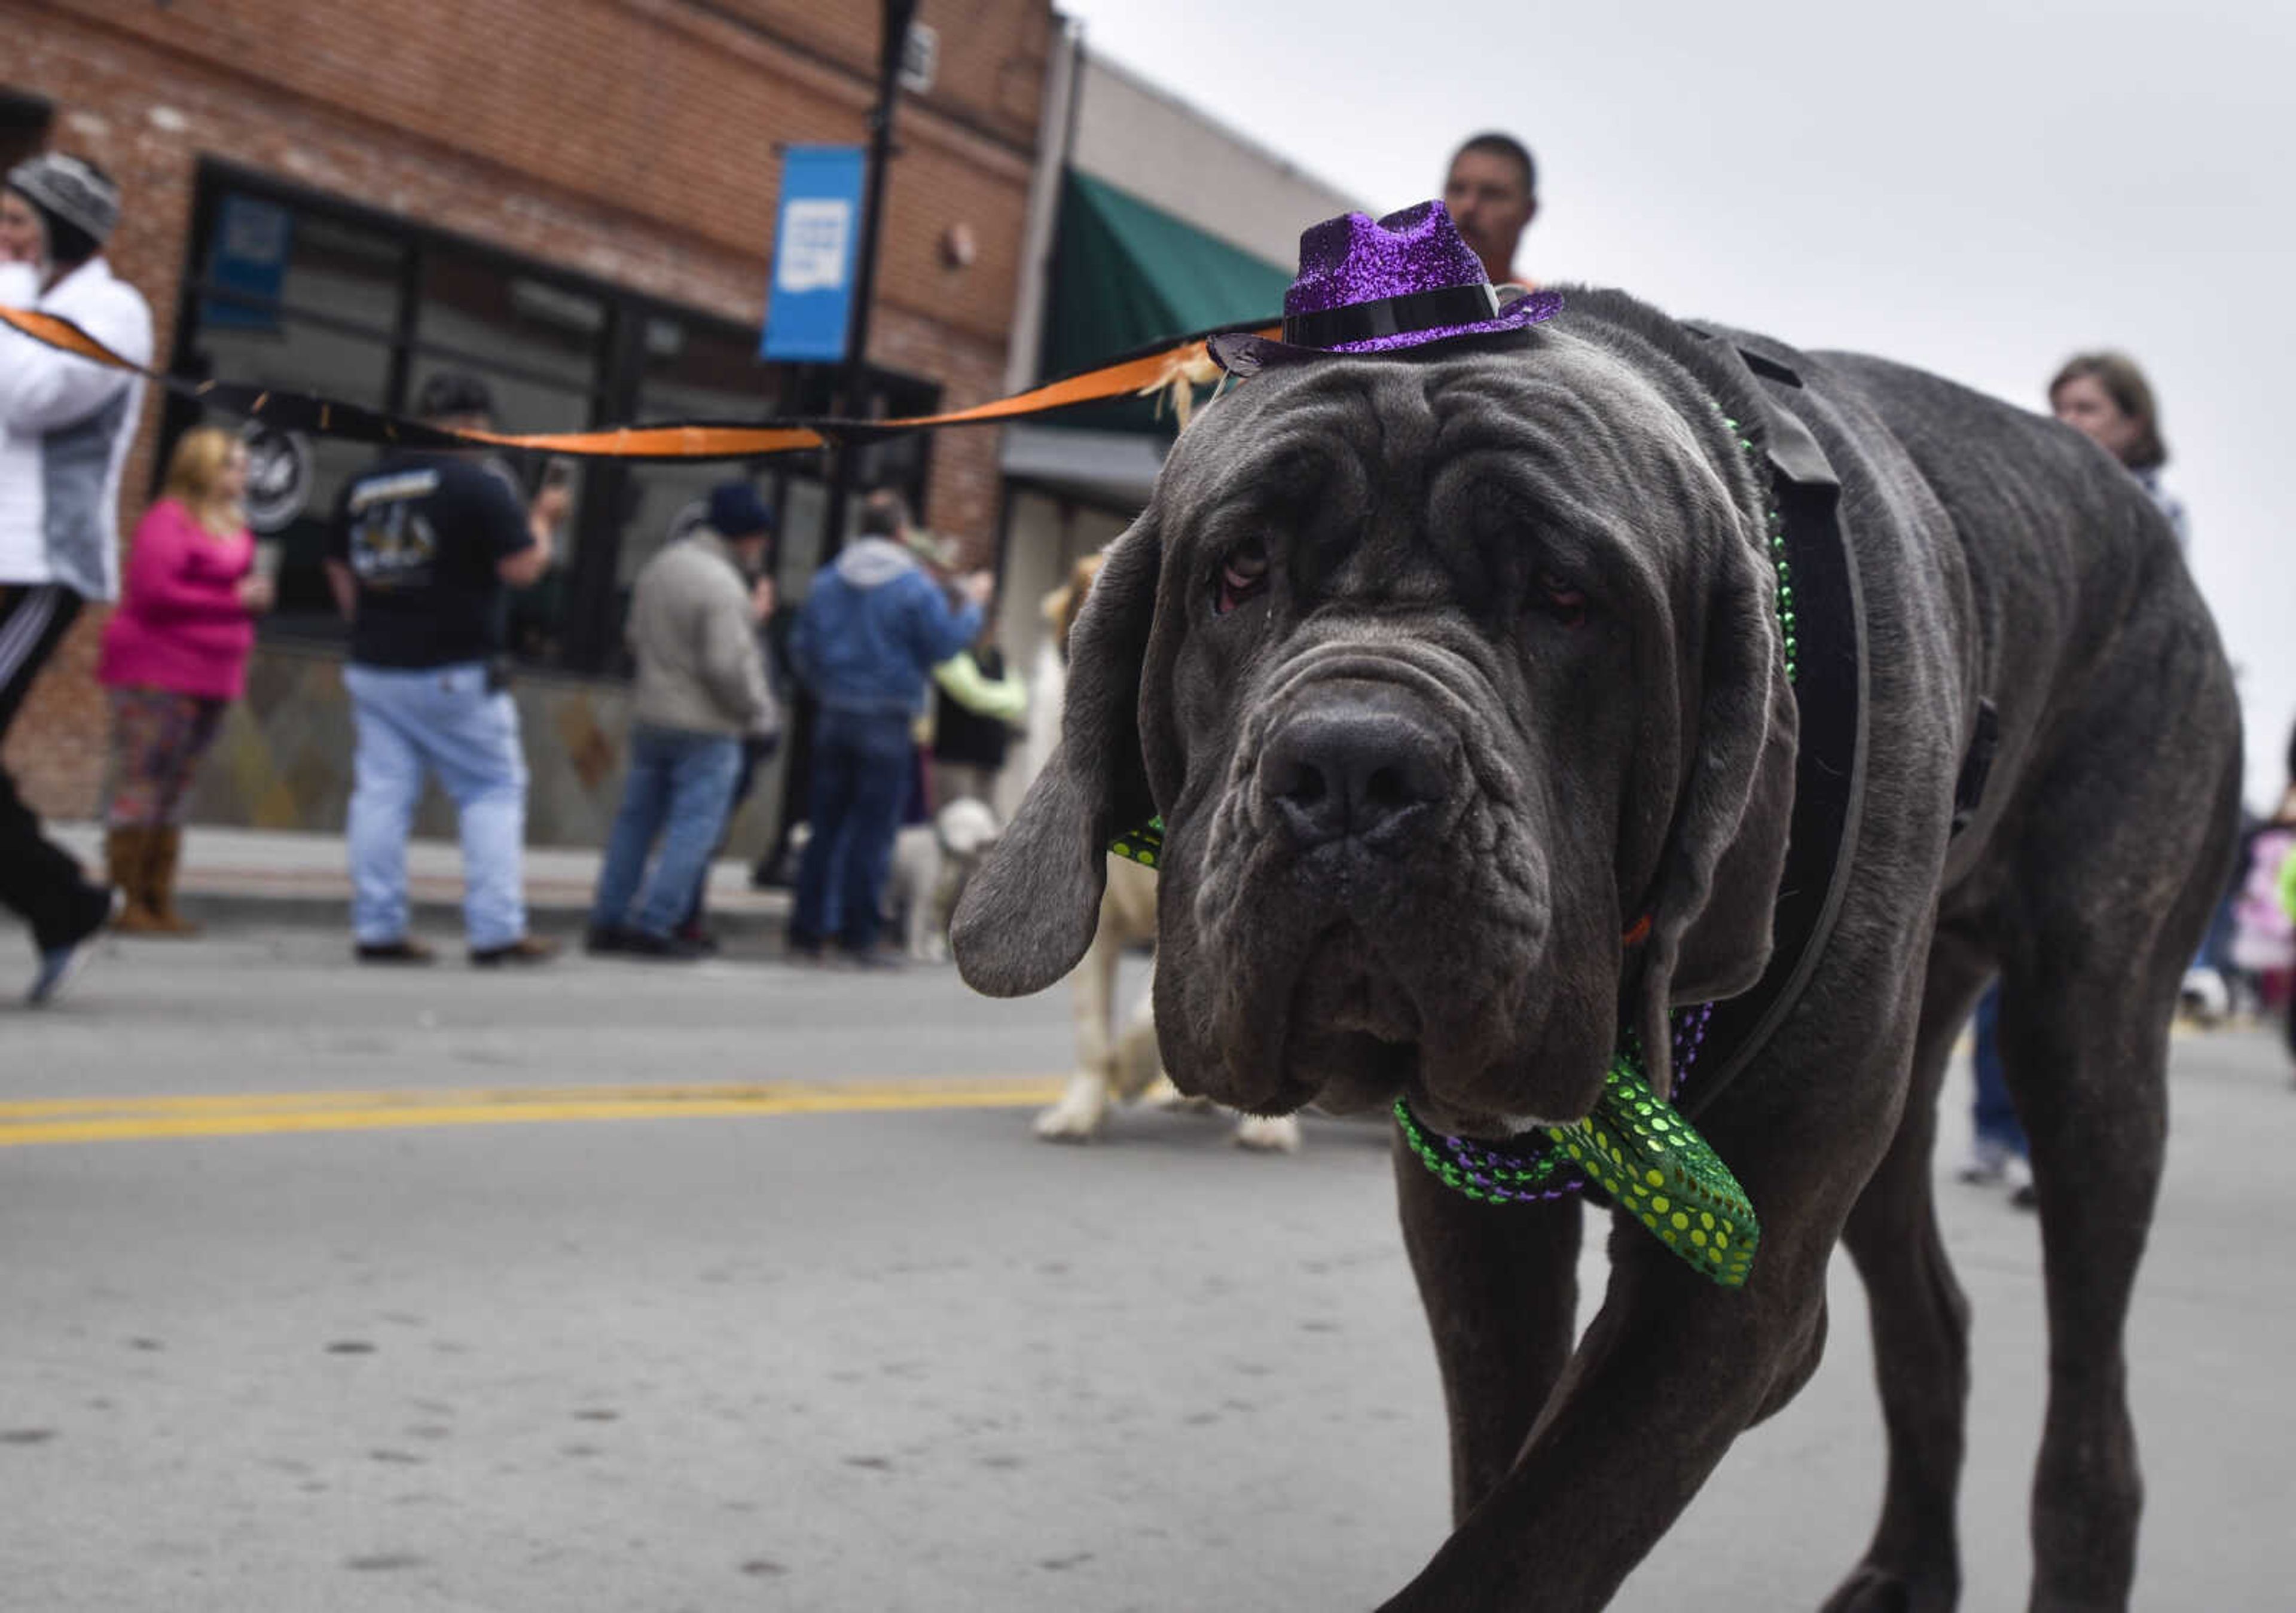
{"x": 702, "y": 693}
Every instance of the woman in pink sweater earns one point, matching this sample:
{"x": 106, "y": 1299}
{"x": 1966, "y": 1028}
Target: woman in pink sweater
{"x": 175, "y": 655}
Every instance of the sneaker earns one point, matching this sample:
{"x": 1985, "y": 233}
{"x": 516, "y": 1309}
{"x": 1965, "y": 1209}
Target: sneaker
{"x": 58, "y": 963}
{"x": 869, "y": 957}
{"x": 1988, "y": 1162}
{"x": 699, "y": 938}
{"x": 406, "y": 949}
{"x": 666, "y": 949}
{"x": 2017, "y": 1176}
{"x": 606, "y": 938}
{"x": 526, "y": 949}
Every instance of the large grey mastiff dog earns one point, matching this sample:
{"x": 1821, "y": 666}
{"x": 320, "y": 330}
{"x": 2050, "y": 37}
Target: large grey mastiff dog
{"x": 1458, "y": 674}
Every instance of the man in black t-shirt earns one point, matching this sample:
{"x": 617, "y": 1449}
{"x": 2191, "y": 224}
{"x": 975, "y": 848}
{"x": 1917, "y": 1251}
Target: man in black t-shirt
{"x": 423, "y": 548}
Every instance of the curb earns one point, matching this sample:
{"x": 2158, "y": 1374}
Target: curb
{"x": 434, "y": 913}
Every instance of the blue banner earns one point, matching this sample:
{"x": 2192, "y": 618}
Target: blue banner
{"x": 817, "y": 244}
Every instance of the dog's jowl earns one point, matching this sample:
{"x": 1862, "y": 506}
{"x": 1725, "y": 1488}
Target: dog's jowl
{"x": 1462, "y": 652}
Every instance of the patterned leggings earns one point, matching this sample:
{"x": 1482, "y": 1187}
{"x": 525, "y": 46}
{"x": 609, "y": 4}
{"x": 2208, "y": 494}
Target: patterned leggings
{"x": 158, "y": 737}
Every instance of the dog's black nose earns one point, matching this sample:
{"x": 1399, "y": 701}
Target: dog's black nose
{"x": 1362, "y": 766}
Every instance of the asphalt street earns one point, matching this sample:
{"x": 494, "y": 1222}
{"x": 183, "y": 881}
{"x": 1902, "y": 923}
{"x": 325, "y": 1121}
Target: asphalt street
{"x": 745, "y": 1287}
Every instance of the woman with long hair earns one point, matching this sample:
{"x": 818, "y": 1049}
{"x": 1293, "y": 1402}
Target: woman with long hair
{"x": 175, "y": 656}
{"x": 2105, "y": 397}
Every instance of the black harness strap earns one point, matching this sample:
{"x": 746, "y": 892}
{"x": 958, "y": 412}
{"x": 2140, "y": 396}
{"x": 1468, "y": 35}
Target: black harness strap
{"x": 1830, "y": 691}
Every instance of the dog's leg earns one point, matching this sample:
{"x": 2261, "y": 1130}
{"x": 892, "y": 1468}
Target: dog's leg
{"x": 1146, "y": 1082}
{"x": 1501, "y": 1290}
{"x": 1674, "y": 1368}
{"x": 1670, "y": 1372}
{"x": 1136, "y": 1064}
{"x": 2085, "y": 1046}
{"x": 1083, "y": 1107}
{"x": 2087, "y": 1064}
{"x": 917, "y": 920}
{"x": 2088, "y": 992}
{"x": 1920, "y": 1327}
{"x": 929, "y": 936}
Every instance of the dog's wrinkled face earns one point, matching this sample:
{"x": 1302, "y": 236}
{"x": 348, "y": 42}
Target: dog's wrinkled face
{"x": 1442, "y": 673}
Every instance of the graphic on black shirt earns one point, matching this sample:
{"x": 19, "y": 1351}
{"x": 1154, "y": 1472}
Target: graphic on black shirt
{"x": 423, "y": 535}
{"x": 393, "y": 542}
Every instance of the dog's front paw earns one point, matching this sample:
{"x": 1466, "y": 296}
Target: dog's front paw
{"x": 1873, "y": 1589}
{"x": 1077, "y": 1117}
{"x": 1268, "y": 1134}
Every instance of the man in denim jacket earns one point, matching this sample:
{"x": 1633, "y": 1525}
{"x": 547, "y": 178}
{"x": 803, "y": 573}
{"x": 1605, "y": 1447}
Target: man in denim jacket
{"x": 872, "y": 630}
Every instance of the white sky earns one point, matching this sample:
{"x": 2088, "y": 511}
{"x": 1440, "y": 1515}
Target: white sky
{"x": 1979, "y": 189}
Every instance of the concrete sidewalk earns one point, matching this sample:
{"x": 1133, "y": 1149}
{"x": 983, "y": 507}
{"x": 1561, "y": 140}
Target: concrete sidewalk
{"x": 284, "y": 877}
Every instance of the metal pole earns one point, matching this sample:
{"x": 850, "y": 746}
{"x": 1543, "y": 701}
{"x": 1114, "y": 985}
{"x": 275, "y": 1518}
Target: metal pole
{"x": 852, "y": 400}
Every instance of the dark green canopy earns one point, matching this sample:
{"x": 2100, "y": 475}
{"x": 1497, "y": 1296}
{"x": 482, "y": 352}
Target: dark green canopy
{"x": 1126, "y": 274}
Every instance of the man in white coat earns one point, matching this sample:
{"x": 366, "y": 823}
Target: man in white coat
{"x": 65, "y": 426}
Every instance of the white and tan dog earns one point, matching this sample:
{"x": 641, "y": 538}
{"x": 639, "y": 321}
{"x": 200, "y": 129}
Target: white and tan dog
{"x": 932, "y": 863}
{"x": 1118, "y": 1062}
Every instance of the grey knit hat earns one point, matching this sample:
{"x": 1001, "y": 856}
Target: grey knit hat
{"x": 70, "y": 189}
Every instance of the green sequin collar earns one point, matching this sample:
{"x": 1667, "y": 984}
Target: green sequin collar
{"x": 1637, "y": 1148}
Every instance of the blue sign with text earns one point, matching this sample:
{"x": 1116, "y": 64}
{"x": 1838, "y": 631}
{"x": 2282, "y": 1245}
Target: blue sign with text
{"x": 817, "y": 244}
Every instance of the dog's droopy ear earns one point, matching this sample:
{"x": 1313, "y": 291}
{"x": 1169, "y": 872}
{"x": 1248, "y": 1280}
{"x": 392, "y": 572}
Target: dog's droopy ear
{"x": 1710, "y": 934}
{"x": 1029, "y": 915}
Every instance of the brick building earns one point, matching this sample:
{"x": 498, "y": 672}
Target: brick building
{"x": 573, "y": 198}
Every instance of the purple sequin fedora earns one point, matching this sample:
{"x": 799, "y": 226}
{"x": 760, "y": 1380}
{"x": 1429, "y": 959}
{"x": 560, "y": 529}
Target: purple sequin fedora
{"x": 1372, "y": 286}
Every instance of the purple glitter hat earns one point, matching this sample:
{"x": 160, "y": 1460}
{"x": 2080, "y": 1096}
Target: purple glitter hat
{"x": 1368, "y": 286}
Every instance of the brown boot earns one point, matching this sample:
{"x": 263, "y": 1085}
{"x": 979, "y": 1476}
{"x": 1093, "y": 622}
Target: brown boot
{"x": 159, "y": 882}
{"x": 128, "y": 853}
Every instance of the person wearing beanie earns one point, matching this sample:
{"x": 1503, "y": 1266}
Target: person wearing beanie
{"x": 65, "y": 426}
{"x": 701, "y": 694}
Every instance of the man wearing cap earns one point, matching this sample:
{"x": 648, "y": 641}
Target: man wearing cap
{"x": 873, "y": 629}
{"x": 701, "y": 692}
{"x": 1491, "y": 192}
{"x": 423, "y": 549}
{"x": 65, "y": 426}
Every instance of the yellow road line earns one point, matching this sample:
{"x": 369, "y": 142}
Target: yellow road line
{"x": 50, "y": 1120}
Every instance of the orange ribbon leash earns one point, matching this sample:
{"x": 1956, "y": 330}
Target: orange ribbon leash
{"x": 1159, "y": 369}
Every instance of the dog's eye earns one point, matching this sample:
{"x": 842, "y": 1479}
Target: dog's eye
{"x": 1562, "y": 602}
{"x": 1242, "y": 574}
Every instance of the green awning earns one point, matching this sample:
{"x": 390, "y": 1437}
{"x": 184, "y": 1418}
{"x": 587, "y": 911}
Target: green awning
{"x": 1127, "y": 273}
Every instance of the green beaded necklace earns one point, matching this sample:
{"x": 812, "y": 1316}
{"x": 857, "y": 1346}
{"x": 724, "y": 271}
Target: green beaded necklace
{"x": 1774, "y": 527}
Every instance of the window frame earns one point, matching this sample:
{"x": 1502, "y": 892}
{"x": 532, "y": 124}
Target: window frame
{"x": 589, "y": 621}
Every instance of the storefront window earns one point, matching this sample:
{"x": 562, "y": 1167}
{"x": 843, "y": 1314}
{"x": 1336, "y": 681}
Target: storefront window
{"x": 260, "y": 257}
{"x": 307, "y": 294}
{"x": 481, "y": 310}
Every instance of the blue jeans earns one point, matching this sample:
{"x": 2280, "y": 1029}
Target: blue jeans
{"x": 680, "y": 786}
{"x": 439, "y": 720}
{"x": 861, "y": 766}
{"x": 1993, "y": 1111}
